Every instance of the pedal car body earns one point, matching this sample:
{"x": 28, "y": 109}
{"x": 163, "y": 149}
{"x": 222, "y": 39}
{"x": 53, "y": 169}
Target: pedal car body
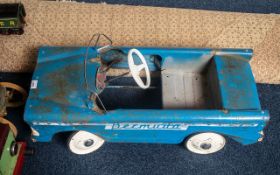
{"x": 191, "y": 91}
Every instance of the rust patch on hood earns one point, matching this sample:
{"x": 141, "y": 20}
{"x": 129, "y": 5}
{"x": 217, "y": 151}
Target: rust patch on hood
{"x": 61, "y": 83}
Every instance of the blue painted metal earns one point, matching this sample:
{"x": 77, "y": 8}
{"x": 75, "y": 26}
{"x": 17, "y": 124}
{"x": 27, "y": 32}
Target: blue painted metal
{"x": 60, "y": 101}
{"x": 237, "y": 85}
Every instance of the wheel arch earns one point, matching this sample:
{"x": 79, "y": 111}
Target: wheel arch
{"x": 241, "y": 136}
{"x": 65, "y": 134}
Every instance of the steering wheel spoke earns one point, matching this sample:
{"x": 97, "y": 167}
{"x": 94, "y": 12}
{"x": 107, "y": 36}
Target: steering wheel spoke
{"x": 140, "y": 81}
{"x": 139, "y": 67}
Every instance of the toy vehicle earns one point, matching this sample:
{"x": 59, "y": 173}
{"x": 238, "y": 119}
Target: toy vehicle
{"x": 11, "y": 96}
{"x": 11, "y": 151}
{"x": 195, "y": 96}
{"x": 12, "y": 18}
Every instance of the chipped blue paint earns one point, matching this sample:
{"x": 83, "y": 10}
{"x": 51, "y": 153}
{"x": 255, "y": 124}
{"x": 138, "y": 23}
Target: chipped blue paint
{"x": 236, "y": 81}
{"x": 60, "y": 101}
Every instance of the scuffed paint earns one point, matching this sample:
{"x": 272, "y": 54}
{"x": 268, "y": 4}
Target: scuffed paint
{"x": 34, "y": 132}
{"x": 151, "y": 125}
{"x": 60, "y": 101}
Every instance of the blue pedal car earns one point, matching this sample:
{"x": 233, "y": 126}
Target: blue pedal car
{"x": 145, "y": 95}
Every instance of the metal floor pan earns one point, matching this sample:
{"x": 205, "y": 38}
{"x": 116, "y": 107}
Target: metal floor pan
{"x": 183, "y": 90}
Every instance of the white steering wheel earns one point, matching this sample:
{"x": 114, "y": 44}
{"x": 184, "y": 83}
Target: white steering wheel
{"x": 136, "y": 69}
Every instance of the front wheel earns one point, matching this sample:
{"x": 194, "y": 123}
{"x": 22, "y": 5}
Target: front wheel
{"x": 205, "y": 143}
{"x": 82, "y": 142}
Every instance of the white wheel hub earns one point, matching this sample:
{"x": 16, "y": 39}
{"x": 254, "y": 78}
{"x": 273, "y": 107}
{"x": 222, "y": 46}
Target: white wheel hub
{"x": 205, "y": 143}
{"x": 83, "y": 142}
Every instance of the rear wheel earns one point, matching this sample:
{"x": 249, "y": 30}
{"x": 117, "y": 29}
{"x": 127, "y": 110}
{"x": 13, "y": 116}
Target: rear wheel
{"x": 83, "y": 142}
{"x": 205, "y": 143}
